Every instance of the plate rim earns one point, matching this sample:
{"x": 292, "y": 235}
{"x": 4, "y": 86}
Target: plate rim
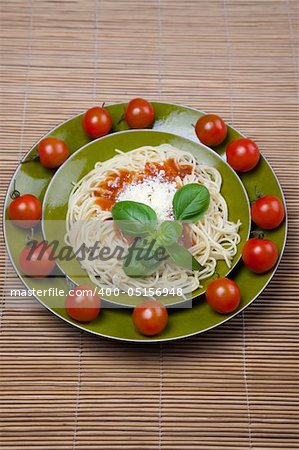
{"x": 142, "y": 340}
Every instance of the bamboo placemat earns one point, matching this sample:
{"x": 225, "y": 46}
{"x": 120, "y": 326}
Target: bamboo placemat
{"x": 233, "y": 388}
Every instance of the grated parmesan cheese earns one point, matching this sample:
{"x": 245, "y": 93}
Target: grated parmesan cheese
{"x": 154, "y": 192}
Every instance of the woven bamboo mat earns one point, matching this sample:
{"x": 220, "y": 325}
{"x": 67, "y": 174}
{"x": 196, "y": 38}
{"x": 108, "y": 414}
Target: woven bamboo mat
{"x": 233, "y": 388}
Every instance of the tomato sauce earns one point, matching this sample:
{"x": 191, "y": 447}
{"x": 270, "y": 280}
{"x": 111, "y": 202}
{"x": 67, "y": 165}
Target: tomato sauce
{"x": 108, "y": 189}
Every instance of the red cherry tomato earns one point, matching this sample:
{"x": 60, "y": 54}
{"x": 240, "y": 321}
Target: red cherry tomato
{"x": 25, "y": 211}
{"x": 150, "y": 317}
{"x": 97, "y": 122}
{"x": 211, "y": 130}
{"x": 52, "y": 152}
{"x": 36, "y": 260}
{"x": 223, "y": 295}
{"x": 242, "y": 154}
{"x": 259, "y": 255}
{"x": 267, "y": 212}
{"x": 139, "y": 113}
{"x": 82, "y": 304}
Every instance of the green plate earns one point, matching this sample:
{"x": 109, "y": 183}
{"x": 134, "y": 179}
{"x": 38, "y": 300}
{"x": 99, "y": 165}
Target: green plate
{"x": 55, "y": 203}
{"x": 115, "y": 322}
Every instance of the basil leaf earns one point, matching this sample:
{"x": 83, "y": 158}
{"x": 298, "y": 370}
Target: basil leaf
{"x": 182, "y": 257}
{"x": 136, "y": 269}
{"x": 191, "y": 202}
{"x": 155, "y": 254}
{"x": 133, "y": 218}
{"x": 169, "y": 232}
{"x": 136, "y": 266}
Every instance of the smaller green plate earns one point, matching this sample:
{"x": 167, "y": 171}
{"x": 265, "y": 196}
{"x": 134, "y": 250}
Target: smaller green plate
{"x": 56, "y": 198}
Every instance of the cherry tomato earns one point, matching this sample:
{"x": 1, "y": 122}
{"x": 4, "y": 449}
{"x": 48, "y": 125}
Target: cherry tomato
{"x": 139, "y": 113}
{"x": 25, "y": 211}
{"x": 223, "y": 295}
{"x": 36, "y": 260}
{"x": 97, "y": 122}
{"x": 267, "y": 212}
{"x": 259, "y": 255}
{"x": 150, "y": 317}
{"x": 82, "y": 304}
{"x": 52, "y": 152}
{"x": 211, "y": 130}
{"x": 242, "y": 154}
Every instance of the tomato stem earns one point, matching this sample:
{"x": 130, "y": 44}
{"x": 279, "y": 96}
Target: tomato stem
{"x": 122, "y": 117}
{"x": 258, "y": 234}
{"x": 34, "y": 158}
{"x": 15, "y": 193}
{"x": 70, "y": 284}
{"x": 29, "y": 237}
{"x": 258, "y": 193}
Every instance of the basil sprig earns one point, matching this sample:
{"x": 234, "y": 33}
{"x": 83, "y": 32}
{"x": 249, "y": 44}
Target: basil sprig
{"x": 191, "y": 202}
{"x": 140, "y": 221}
